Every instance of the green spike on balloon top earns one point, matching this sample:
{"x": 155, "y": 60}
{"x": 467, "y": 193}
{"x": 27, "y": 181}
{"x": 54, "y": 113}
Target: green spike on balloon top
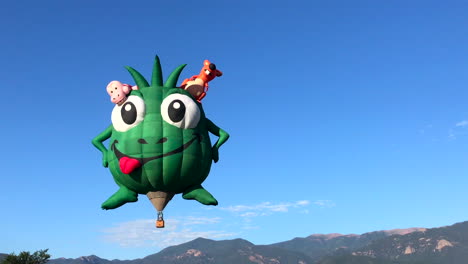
{"x": 159, "y": 142}
{"x": 172, "y": 80}
{"x": 156, "y": 78}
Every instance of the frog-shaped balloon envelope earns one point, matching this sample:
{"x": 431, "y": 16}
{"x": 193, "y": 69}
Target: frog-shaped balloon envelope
{"x": 159, "y": 144}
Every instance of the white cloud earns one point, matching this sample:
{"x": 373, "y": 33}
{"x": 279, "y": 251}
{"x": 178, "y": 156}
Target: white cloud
{"x": 143, "y": 233}
{"x": 462, "y": 123}
{"x": 191, "y": 220}
{"x": 325, "y": 203}
{"x": 459, "y": 129}
{"x": 249, "y": 214}
{"x": 250, "y": 227}
{"x": 265, "y": 208}
{"x": 452, "y": 134}
{"x": 303, "y": 202}
{"x": 425, "y": 129}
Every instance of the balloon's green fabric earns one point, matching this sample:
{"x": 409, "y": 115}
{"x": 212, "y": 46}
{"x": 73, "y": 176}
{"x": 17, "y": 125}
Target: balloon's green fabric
{"x": 159, "y": 141}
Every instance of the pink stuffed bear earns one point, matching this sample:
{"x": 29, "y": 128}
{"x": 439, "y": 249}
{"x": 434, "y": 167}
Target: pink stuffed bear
{"x": 118, "y": 91}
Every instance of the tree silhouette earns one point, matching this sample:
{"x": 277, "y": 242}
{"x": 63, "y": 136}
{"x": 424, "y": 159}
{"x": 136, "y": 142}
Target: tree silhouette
{"x": 38, "y": 257}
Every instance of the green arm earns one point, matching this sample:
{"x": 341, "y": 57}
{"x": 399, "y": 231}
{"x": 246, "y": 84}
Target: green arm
{"x": 97, "y": 142}
{"x": 223, "y": 137}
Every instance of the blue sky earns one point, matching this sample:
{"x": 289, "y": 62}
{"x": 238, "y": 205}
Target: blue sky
{"x": 345, "y": 117}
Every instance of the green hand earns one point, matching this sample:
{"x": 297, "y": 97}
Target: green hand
{"x": 97, "y": 142}
{"x": 215, "y": 153}
{"x": 104, "y": 159}
{"x": 223, "y": 137}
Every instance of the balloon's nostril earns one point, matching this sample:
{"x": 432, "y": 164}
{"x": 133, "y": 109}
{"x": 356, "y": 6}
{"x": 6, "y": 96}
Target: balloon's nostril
{"x": 162, "y": 140}
{"x": 142, "y": 141}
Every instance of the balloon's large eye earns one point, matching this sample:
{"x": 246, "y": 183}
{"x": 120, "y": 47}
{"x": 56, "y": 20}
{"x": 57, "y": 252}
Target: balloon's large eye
{"x": 181, "y": 111}
{"x": 129, "y": 114}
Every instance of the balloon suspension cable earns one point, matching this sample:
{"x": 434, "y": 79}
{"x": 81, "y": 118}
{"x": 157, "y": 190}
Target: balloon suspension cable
{"x": 160, "y": 216}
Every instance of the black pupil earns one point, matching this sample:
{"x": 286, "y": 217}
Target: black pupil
{"x": 129, "y": 113}
{"x": 212, "y": 66}
{"x": 176, "y": 111}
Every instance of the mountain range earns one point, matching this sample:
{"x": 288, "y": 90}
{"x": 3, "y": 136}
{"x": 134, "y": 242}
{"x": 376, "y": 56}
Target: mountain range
{"x": 444, "y": 245}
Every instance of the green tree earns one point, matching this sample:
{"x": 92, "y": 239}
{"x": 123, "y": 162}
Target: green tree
{"x": 38, "y": 257}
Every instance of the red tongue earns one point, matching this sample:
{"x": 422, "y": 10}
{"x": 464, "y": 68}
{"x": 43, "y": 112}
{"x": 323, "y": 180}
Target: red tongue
{"x": 127, "y": 165}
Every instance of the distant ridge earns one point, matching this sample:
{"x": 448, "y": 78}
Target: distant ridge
{"x": 444, "y": 245}
{"x": 317, "y": 246}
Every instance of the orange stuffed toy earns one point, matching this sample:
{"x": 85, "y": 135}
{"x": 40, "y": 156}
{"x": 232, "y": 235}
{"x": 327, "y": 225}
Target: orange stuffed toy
{"x": 197, "y": 85}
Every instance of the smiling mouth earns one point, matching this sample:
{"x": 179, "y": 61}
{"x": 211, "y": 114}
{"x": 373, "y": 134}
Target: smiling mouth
{"x": 128, "y": 164}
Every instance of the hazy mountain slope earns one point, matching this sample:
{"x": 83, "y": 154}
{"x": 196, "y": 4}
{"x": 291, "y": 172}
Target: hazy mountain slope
{"x": 317, "y": 246}
{"x": 89, "y": 260}
{"x": 349, "y": 259}
{"x": 437, "y": 245}
{"x": 234, "y": 251}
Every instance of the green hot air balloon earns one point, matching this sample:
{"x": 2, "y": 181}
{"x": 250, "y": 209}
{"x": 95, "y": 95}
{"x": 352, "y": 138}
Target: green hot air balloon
{"x": 159, "y": 144}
